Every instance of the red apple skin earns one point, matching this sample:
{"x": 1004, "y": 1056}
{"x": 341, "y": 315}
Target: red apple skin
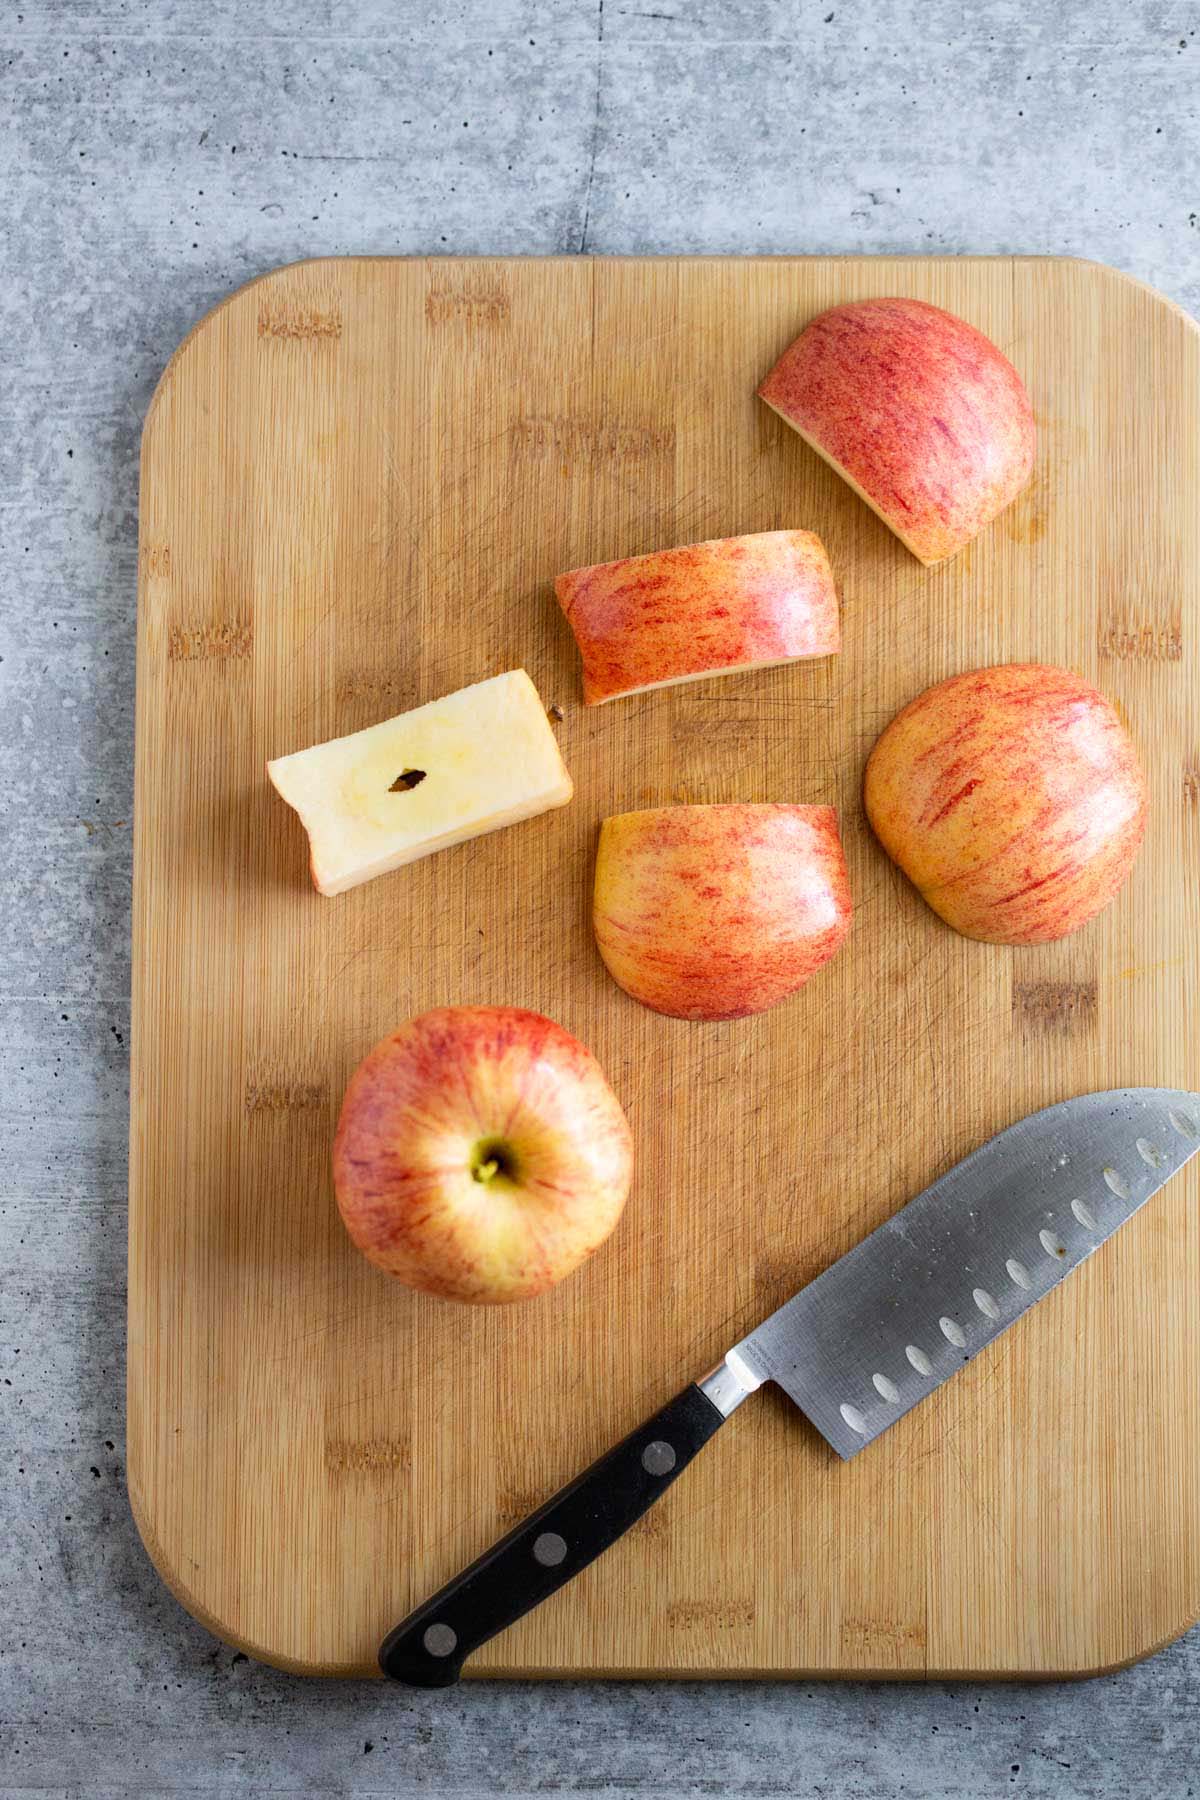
{"x": 701, "y": 609}
{"x": 419, "y": 1105}
{"x": 717, "y": 912}
{"x": 919, "y": 411}
{"x": 1012, "y": 798}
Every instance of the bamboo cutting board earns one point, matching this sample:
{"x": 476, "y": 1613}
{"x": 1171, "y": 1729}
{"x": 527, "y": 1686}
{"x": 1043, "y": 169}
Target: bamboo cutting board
{"x": 358, "y": 480}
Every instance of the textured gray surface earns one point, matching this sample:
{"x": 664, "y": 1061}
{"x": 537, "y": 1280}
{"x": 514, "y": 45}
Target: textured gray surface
{"x": 153, "y": 155}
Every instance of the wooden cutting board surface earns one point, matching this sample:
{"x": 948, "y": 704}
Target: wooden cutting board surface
{"x": 358, "y": 480}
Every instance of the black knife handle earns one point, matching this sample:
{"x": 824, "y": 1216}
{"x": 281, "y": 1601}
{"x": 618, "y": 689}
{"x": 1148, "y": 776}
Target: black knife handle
{"x": 542, "y": 1554}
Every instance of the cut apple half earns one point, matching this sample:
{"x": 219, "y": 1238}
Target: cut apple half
{"x": 472, "y": 762}
{"x": 714, "y": 608}
{"x": 716, "y": 912}
{"x": 916, "y": 410}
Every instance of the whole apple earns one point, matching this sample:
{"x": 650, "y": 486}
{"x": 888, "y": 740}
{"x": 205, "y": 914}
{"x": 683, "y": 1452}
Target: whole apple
{"x": 1013, "y": 800}
{"x": 715, "y": 912}
{"x": 481, "y": 1154}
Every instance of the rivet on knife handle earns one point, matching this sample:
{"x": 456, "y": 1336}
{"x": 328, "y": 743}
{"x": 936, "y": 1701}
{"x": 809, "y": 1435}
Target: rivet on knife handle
{"x": 553, "y": 1544}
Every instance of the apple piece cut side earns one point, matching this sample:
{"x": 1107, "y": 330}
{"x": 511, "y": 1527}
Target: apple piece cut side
{"x": 716, "y": 912}
{"x": 1013, "y": 800}
{"x": 918, "y": 549}
{"x": 714, "y": 608}
{"x": 916, "y": 410}
{"x": 472, "y": 762}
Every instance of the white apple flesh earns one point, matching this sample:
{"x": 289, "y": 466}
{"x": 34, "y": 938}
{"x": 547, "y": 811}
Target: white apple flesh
{"x": 472, "y": 762}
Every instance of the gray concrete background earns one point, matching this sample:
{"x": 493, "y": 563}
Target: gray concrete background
{"x": 154, "y": 155}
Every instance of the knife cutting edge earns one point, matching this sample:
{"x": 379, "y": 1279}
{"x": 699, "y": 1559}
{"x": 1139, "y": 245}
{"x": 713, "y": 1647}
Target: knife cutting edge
{"x": 856, "y": 1349}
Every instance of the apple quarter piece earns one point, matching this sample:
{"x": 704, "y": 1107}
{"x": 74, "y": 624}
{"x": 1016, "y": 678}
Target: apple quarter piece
{"x": 478, "y": 759}
{"x": 701, "y": 609}
{"x": 921, "y": 414}
{"x": 716, "y": 912}
{"x": 1013, "y": 800}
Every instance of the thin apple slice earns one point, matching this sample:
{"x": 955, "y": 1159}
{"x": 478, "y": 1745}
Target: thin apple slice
{"x": 916, "y": 410}
{"x": 1013, "y": 800}
{"x": 702, "y": 609}
{"x": 714, "y": 912}
{"x": 478, "y": 759}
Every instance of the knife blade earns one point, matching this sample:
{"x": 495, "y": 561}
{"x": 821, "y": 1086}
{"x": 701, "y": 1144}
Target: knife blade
{"x": 855, "y": 1349}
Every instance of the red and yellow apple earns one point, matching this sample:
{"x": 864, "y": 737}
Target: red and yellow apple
{"x": 702, "y": 609}
{"x": 920, "y": 413}
{"x": 481, "y": 1154}
{"x": 714, "y": 912}
{"x": 1012, "y": 799}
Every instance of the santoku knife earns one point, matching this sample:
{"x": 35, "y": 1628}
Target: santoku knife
{"x": 855, "y": 1349}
